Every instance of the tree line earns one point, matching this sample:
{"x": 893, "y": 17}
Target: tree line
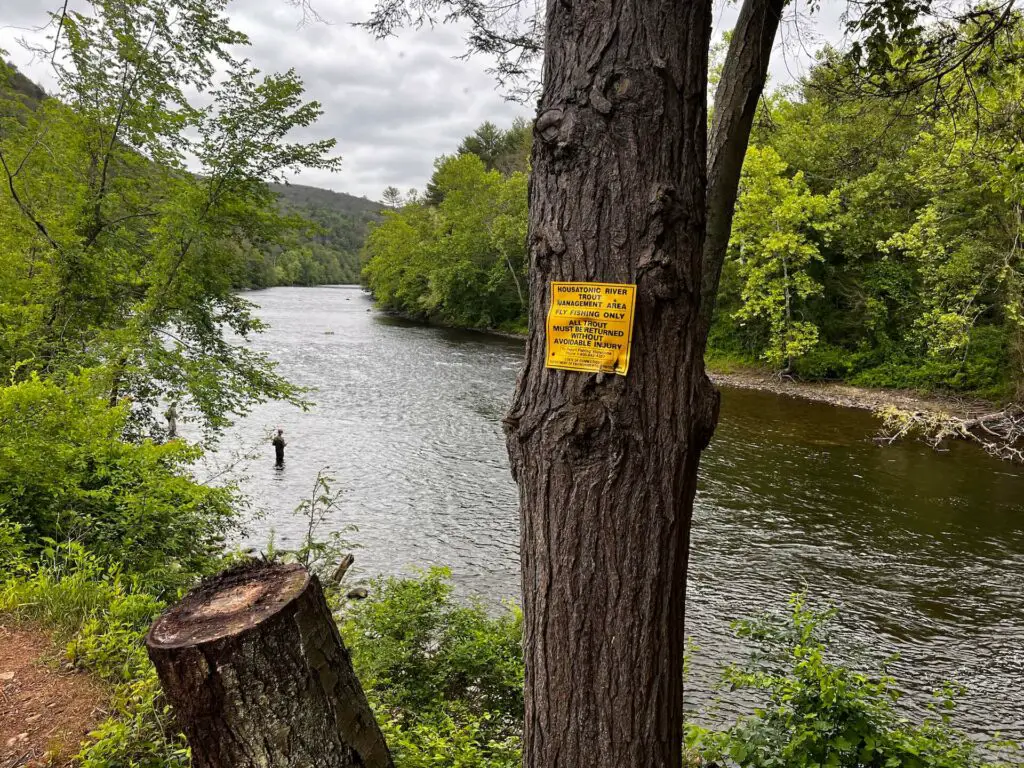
{"x": 457, "y": 253}
{"x": 875, "y": 240}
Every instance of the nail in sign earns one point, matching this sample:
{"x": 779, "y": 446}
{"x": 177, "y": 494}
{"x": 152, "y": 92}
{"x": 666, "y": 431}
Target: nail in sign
{"x": 590, "y": 327}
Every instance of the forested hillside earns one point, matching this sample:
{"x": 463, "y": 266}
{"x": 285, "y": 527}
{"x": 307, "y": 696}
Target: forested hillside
{"x": 325, "y": 250}
{"x": 876, "y": 240}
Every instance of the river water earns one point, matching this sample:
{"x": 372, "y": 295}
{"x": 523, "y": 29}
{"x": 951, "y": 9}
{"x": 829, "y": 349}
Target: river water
{"x": 922, "y": 551}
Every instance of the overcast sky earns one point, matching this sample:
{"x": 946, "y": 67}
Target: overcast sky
{"x": 392, "y": 105}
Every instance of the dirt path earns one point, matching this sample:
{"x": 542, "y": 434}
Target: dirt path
{"x": 846, "y": 396}
{"x": 45, "y": 710}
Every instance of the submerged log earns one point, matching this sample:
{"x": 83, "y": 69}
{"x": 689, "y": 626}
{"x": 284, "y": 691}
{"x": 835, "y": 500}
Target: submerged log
{"x": 258, "y": 676}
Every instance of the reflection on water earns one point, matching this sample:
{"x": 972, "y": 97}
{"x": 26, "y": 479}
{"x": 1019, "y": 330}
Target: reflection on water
{"x": 923, "y": 551}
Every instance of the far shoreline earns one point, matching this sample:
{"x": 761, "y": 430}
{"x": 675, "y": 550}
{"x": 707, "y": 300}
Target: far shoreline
{"x": 842, "y": 395}
{"x": 834, "y": 393}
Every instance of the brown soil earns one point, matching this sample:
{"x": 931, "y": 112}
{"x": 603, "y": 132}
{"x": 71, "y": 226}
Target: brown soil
{"x": 847, "y": 396}
{"x": 45, "y": 710}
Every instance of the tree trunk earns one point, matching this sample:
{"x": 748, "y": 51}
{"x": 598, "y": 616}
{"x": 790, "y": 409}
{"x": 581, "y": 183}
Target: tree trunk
{"x": 789, "y": 315}
{"x": 739, "y": 90}
{"x": 255, "y": 669}
{"x": 606, "y": 465}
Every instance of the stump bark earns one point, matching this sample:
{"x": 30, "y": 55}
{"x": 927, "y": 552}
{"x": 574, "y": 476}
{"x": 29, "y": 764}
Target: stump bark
{"x": 257, "y": 673}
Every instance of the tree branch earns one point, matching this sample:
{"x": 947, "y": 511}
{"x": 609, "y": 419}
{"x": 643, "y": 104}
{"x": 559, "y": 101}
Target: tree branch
{"x": 999, "y": 433}
{"x": 739, "y": 90}
{"x": 24, "y": 208}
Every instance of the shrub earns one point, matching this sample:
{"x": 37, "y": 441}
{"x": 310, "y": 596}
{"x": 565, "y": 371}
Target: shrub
{"x": 445, "y": 679}
{"x": 13, "y": 548}
{"x": 66, "y": 475}
{"x": 824, "y": 361}
{"x": 819, "y": 714}
{"x": 450, "y": 737}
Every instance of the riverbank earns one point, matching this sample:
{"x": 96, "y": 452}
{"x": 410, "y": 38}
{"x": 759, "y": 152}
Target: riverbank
{"x": 837, "y": 393}
{"x": 846, "y": 395}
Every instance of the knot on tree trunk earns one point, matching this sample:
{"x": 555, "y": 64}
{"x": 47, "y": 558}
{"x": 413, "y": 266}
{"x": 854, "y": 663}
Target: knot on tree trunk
{"x": 705, "y": 411}
{"x": 256, "y": 671}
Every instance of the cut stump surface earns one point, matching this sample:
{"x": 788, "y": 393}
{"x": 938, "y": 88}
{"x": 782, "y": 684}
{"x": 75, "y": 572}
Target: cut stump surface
{"x": 258, "y": 676}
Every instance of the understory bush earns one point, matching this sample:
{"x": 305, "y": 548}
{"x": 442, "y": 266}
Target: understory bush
{"x": 817, "y": 713}
{"x": 101, "y": 616}
{"x": 445, "y": 679}
{"x": 446, "y": 682}
{"x": 981, "y": 368}
{"x": 66, "y": 474}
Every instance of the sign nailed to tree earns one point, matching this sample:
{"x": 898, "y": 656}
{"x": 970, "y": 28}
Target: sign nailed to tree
{"x": 590, "y": 327}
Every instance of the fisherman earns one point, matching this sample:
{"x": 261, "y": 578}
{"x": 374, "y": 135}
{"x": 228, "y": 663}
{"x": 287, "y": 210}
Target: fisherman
{"x": 171, "y": 414}
{"x": 279, "y": 445}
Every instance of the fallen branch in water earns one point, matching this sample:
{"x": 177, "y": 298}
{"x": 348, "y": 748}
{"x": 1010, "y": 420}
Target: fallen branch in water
{"x": 999, "y": 433}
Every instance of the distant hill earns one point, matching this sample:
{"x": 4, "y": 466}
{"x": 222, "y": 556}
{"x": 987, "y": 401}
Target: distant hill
{"x": 314, "y": 197}
{"x": 329, "y": 255}
{"x": 30, "y": 93}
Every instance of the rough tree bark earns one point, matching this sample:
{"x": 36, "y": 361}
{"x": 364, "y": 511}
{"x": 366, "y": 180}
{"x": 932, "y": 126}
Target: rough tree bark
{"x": 255, "y": 669}
{"x": 743, "y": 78}
{"x": 607, "y": 465}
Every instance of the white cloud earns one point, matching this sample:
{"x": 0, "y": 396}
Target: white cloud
{"x": 392, "y": 105}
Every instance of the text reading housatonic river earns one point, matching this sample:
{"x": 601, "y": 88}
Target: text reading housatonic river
{"x": 923, "y": 552}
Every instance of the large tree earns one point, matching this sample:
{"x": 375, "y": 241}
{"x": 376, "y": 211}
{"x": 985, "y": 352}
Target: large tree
{"x": 124, "y": 201}
{"x": 607, "y": 465}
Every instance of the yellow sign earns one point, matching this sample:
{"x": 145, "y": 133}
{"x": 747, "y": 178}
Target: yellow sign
{"x": 590, "y": 326}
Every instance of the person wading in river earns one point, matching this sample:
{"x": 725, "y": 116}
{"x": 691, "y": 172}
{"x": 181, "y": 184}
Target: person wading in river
{"x": 279, "y": 445}
{"x": 172, "y": 422}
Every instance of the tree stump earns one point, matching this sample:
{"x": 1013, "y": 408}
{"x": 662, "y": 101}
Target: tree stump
{"x": 258, "y": 676}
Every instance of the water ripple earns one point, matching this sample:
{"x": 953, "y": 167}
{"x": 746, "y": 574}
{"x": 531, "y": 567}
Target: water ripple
{"x": 923, "y": 551}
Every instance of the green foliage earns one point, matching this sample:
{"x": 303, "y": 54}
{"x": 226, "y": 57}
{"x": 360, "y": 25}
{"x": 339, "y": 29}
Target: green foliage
{"x": 66, "y": 474}
{"x": 775, "y": 231}
{"x": 117, "y": 273}
{"x": 462, "y": 261}
{"x": 314, "y": 265}
{"x": 445, "y": 679}
{"x": 102, "y": 616}
{"x": 820, "y": 714}
{"x": 13, "y": 548}
{"x": 918, "y": 282}
{"x": 113, "y": 255}
{"x": 450, "y": 738}
{"x": 504, "y": 151}
{"x": 446, "y": 682}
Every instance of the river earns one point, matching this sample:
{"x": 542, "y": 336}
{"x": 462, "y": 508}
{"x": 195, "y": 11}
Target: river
{"x": 922, "y": 551}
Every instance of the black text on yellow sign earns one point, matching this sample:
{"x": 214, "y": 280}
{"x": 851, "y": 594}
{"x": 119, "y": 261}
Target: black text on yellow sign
{"x": 590, "y": 327}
